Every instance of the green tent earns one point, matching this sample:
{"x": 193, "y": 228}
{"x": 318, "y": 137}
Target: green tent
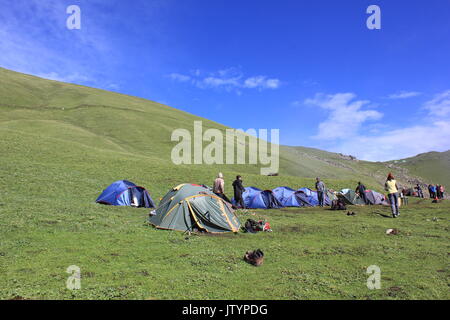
{"x": 350, "y": 197}
{"x": 189, "y": 206}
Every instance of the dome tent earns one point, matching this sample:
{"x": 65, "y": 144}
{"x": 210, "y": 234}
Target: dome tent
{"x": 289, "y": 197}
{"x": 125, "y": 193}
{"x": 191, "y": 207}
{"x": 255, "y": 198}
{"x": 311, "y": 198}
{"x": 283, "y": 193}
{"x": 375, "y": 197}
{"x": 350, "y": 197}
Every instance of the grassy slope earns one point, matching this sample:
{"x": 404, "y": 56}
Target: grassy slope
{"x": 55, "y": 162}
{"x": 118, "y": 122}
{"x": 433, "y": 165}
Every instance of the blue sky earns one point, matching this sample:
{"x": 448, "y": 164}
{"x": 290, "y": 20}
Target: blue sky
{"x": 309, "y": 68}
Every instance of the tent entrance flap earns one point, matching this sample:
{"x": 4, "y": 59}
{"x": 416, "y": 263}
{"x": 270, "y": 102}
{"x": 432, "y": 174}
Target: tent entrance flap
{"x": 210, "y": 215}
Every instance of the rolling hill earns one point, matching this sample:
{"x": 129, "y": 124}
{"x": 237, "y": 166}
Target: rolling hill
{"x": 435, "y": 166}
{"x": 99, "y": 122}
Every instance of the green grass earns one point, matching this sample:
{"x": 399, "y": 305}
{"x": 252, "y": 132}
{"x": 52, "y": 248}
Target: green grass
{"x": 433, "y": 165}
{"x": 62, "y": 144}
{"x": 311, "y": 254}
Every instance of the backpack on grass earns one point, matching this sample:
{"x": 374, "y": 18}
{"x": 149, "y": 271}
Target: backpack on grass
{"x": 338, "y": 205}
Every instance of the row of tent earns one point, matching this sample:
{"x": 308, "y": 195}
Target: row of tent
{"x": 126, "y": 193}
{"x": 192, "y": 207}
{"x": 280, "y": 197}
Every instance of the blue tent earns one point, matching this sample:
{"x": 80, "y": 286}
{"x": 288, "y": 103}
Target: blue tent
{"x": 248, "y": 194}
{"x": 310, "y": 197}
{"x": 126, "y": 193}
{"x": 288, "y": 197}
{"x": 283, "y": 193}
{"x": 255, "y": 198}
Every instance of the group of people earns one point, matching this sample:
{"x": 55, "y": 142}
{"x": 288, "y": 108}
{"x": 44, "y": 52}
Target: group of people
{"x": 219, "y": 190}
{"x": 390, "y": 186}
{"x": 436, "y": 191}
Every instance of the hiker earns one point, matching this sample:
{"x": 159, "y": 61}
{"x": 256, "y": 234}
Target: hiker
{"x": 403, "y": 199}
{"x": 219, "y": 187}
{"x": 320, "y": 187}
{"x": 433, "y": 192}
{"x": 238, "y": 191}
{"x": 391, "y": 187}
{"x": 438, "y": 191}
{"x": 419, "y": 191}
{"x": 442, "y": 191}
{"x": 361, "y": 190}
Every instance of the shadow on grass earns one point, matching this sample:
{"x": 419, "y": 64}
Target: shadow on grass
{"x": 383, "y": 215}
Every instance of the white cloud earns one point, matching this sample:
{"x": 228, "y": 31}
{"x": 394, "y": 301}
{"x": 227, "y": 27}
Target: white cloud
{"x": 432, "y": 134}
{"x": 214, "y": 82}
{"x": 179, "y": 77}
{"x": 404, "y": 95}
{"x": 439, "y": 106}
{"x": 345, "y": 116}
{"x": 261, "y": 82}
{"x": 399, "y": 143}
{"x": 231, "y": 79}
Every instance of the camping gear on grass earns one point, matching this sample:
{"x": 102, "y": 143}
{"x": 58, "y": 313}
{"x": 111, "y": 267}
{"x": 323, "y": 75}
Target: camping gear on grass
{"x": 392, "y": 231}
{"x": 338, "y": 204}
{"x": 255, "y": 258}
{"x": 252, "y": 226}
{"x": 189, "y": 206}
{"x": 125, "y": 193}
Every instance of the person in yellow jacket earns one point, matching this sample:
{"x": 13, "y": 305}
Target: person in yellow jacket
{"x": 392, "y": 189}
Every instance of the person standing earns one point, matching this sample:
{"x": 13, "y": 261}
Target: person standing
{"x": 442, "y": 191}
{"x": 430, "y": 190}
{"x": 219, "y": 187}
{"x": 419, "y": 191}
{"x": 320, "y": 187}
{"x": 391, "y": 187}
{"x": 433, "y": 192}
{"x": 238, "y": 191}
{"x": 438, "y": 191}
{"x": 361, "y": 190}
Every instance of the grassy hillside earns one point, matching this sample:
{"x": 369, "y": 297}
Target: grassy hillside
{"x": 62, "y": 144}
{"x": 433, "y": 165}
{"x": 120, "y": 123}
